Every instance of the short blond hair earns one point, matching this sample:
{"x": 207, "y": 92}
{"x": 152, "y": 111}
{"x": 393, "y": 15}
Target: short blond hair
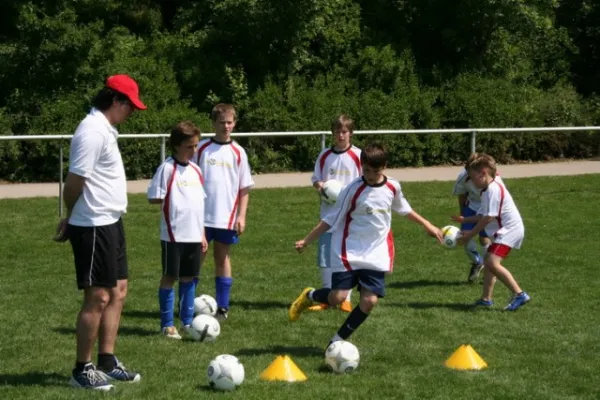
{"x": 484, "y": 161}
{"x": 222, "y": 108}
{"x": 342, "y": 121}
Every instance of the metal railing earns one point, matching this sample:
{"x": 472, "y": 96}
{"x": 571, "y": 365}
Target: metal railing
{"x": 323, "y": 134}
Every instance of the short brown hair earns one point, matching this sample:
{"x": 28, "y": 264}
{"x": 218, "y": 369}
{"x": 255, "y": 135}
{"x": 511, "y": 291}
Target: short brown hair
{"x": 484, "y": 161}
{"x": 220, "y": 109}
{"x": 342, "y": 121}
{"x": 374, "y": 155}
{"x": 181, "y": 132}
{"x": 470, "y": 160}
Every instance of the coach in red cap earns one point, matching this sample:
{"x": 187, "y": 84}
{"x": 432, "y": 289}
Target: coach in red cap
{"x": 95, "y": 195}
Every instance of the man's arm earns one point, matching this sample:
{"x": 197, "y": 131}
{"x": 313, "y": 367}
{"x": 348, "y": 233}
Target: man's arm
{"x": 72, "y": 190}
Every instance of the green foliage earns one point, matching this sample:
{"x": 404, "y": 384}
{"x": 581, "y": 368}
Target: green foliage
{"x": 294, "y": 65}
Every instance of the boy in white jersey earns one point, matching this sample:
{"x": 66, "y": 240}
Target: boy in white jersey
{"x": 362, "y": 244}
{"x": 227, "y": 181}
{"x": 342, "y": 163}
{"x": 501, "y": 219}
{"x": 178, "y": 186}
{"x": 469, "y": 200}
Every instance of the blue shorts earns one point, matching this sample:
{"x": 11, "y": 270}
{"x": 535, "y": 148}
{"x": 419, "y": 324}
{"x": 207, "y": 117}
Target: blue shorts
{"x": 226, "y": 236}
{"x": 323, "y": 253}
{"x": 468, "y": 226}
{"x": 367, "y": 278}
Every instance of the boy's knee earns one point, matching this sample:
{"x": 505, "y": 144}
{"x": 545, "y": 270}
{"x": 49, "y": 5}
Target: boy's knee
{"x": 336, "y": 297}
{"x": 367, "y": 303}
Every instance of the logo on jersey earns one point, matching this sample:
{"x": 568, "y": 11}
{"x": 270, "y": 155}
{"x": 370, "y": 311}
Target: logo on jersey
{"x": 339, "y": 172}
{"x": 212, "y": 161}
{"x": 369, "y": 210}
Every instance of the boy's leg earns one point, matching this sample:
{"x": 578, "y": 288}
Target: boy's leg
{"x": 497, "y": 252}
{"x": 166, "y": 292}
{"x": 190, "y": 269}
{"x": 223, "y": 279}
{"x": 323, "y": 254}
{"x": 471, "y": 248}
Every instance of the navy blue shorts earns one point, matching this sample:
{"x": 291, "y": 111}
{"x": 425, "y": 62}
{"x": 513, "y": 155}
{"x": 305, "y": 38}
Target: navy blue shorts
{"x": 468, "y": 226}
{"x": 227, "y": 236}
{"x": 367, "y": 278}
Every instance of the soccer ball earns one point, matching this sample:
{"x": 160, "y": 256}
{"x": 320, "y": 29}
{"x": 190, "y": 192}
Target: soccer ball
{"x": 331, "y": 190}
{"x": 205, "y": 304}
{"x": 225, "y": 372}
{"x": 205, "y": 328}
{"x": 451, "y": 235}
{"x": 342, "y": 357}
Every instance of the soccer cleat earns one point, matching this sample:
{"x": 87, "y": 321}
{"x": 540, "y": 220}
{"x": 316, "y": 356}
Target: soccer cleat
{"x": 483, "y": 303}
{"x": 318, "y": 307}
{"x": 171, "y": 332}
{"x": 222, "y": 314}
{"x": 90, "y": 378}
{"x": 121, "y": 374}
{"x": 474, "y": 273}
{"x": 517, "y": 301}
{"x": 300, "y": 304}
{"x": 346, "y": 306}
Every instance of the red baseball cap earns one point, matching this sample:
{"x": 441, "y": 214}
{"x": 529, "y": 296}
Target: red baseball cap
{"x": 126, "y": 85}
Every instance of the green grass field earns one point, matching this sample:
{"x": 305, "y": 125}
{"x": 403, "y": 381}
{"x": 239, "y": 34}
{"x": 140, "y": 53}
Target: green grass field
{"x": 547, "y": 350}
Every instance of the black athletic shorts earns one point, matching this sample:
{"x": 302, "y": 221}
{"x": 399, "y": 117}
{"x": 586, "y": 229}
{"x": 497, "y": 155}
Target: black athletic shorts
{"x": 100, "y": 254}
{"x": 180, "y": 259}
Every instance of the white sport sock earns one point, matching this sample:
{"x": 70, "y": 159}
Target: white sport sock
{"x": 348, "y": 298}
{"x": 471, "y": 250}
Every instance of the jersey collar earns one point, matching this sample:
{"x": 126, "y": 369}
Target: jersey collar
{"x": 340, "y": 151}
{"x": 221, "y": 143}
{"x": 383, "y": 182}
{"x": 100, "y": 115}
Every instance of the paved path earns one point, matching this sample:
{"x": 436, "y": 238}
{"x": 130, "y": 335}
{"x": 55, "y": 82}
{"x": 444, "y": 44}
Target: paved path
{"x": 303, "y": 179}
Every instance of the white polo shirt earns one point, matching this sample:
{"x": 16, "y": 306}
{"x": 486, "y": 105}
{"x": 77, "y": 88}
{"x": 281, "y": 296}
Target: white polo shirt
{"x": 95, "y": 156}
{"x": 361, "y": 225}
{"x": 507, "y": 226}
{"x": 226, "y": 171}
{"x": 343, "y": 166}
{"x": 180, "y": 186}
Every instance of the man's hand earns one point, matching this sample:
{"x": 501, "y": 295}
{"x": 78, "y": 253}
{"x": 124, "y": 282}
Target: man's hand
{"x": 62, "y": 234}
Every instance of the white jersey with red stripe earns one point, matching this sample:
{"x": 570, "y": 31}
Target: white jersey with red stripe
{"x": 464, "y": 185}
{"x": 507, "y": 226}
{"x": 361, "y": 225}
{"x": 226, "y": 171}
{"x": 181, "y": 188}
{"x": 343, "y": 166}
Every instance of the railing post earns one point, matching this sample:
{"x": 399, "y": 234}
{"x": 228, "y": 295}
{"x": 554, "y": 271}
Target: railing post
{"x": 162, "y": 149}
{"x": 60, "y": 179}
{"x": 473, "y": 141}
{"x": 322, "y": 141}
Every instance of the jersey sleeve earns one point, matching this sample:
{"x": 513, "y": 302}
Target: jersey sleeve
{"x": 318, "y": 173}
{"x": 85, "y": 152}
{"x": 157, "y": 189}
{"x": 459, "y": 186}
{"x": 245, "y": 175}
{"x": 490, "y": 202}
{"x": 399, "y": 203}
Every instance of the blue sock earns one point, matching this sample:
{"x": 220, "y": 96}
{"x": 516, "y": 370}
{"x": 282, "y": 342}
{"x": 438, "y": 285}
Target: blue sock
{"x": 223, "y": 287}
{"x": 187, "y": 292}
{"x": 166, "y": 300}
{"x": 321, "y": 295}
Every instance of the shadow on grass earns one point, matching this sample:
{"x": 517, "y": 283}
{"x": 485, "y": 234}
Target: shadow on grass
{"x": 123, "y": 331}
{"x": 426, "y": 305}
{"x": 424, "y": 283}
{"x": 259, "y": 305}
{"x": 141, "y": 314}
{"x": 296, "y": 351}
{"x": 33, "y": 379}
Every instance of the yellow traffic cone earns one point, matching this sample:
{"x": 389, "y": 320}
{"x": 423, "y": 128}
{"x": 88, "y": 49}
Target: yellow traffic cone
{"x": 283, "y": 369}
{"x": 465, "y": 358}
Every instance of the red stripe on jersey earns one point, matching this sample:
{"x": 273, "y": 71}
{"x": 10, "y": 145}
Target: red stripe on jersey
{"x": 200, "y": 150}
{"x": 391, "y": 187}
{"x": 347, "y": 225}
{"x": 391, "y": 249}
{"x": 322, "y": 161}
{"x": 167, "y": 202}
{"x": 499, "y": 217}
{"x": 237, "y": 154}
{"x": 199, "y": 174}
{"x": 356, "y": 160}
{"x": 235, "y": 206}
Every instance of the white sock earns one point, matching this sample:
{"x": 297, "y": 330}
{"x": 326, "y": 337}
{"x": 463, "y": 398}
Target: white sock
{"x": 310, "y": 294}
{"x": 336, "y": 338}
{"x": 471, "y": 250}
{"x": 349, "y": 295}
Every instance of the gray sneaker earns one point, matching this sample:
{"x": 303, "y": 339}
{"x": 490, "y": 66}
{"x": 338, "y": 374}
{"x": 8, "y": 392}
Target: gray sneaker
{"x": 474, "y": 272}
{"x": 90, "y": 378}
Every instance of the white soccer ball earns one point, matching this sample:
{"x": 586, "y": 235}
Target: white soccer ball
{"x": 331, "y": 190}
{"x": 342, "y": 357}
{"x": 205, "y": 304}
{"x": 225, "y": 372}
{"x": 451, "y": 235}
{"x": 205, "y": 328}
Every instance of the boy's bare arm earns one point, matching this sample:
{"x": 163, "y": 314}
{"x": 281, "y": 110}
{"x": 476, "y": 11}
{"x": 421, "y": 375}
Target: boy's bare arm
{"x": 481, "y": 224}
{"x": 240, "y": 224}
{"x": 317, "y": 231}
{"x": 462, "y": 202}
{"x": 431, "y": 229}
